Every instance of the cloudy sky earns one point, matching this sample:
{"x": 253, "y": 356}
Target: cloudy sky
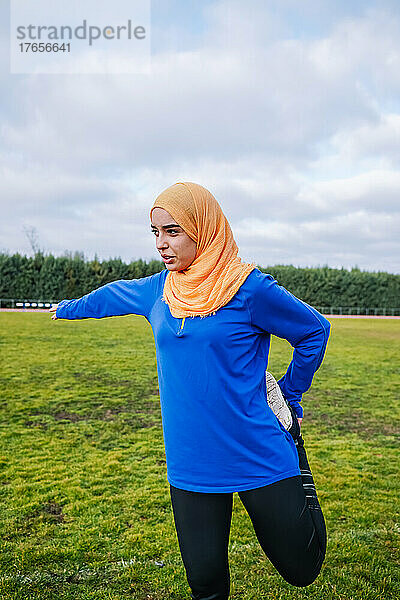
{"x": 288, "y": 111}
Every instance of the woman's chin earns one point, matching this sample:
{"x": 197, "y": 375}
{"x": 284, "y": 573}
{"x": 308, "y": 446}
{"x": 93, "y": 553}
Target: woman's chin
{"x": 177, "y": 266}
{"x": 172, "y": 267}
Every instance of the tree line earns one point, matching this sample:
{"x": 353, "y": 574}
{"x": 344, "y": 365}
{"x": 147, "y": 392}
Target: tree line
{"x": 324, "y": 286}
{"x": 46, "y": 278}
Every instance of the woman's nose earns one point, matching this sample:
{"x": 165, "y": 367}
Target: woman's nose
{"x": 161, "y": 242}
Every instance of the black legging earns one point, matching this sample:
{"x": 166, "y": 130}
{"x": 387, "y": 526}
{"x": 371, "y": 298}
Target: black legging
{"x": 289, "y": 526}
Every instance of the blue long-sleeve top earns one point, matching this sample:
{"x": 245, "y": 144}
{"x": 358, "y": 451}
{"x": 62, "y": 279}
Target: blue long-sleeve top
{"x": 220, "y": 434}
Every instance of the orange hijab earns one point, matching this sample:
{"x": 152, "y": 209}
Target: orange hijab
{"x": 216, "y": 273}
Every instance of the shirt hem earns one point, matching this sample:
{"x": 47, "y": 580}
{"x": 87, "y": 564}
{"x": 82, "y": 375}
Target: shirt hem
{"x": 190, "y": 487}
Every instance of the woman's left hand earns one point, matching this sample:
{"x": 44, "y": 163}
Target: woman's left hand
{"x": 300, "y": 420}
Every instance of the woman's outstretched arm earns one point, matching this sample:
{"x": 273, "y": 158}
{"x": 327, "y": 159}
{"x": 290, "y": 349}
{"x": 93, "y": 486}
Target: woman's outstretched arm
{"x": 277, "y": 311}
{"x": 123, "y": 297}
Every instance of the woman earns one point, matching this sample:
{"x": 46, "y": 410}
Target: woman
{"x": 212, "y": 316}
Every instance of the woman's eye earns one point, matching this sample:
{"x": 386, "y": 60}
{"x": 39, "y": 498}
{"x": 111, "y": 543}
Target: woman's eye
{"x": 172, "y": 231}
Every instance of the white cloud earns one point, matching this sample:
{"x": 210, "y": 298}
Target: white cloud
{"x": 297, "y": 136}
{"x": 366, "y": 48}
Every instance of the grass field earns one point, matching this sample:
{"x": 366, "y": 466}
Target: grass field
{"x": 85, "y": 509}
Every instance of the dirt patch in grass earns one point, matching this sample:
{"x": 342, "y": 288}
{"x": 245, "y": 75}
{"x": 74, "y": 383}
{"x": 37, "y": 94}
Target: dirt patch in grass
{"x": 111, "y": 413}
{"x": 353, "y": 422}
{"x": 49, "y": 512}
{"x": 53, "y": 512}
{"x": 145, "y": 415}
{"x": 143, "y": 407}
{"x": 103, "y": 379}
{"x": 40, "y": 424}
{"x": 141, "y": 413}
{"x": 63, "y": 415}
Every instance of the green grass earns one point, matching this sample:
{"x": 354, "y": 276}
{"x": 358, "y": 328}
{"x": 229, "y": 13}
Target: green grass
{"x": 85, "y": 509}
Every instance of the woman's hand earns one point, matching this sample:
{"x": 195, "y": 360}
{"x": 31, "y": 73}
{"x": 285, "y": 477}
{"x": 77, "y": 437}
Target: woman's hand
{"x": 300, "y": 420}
{"x": 53, "y": 309}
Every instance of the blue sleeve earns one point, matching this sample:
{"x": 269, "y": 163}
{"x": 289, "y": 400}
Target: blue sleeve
{"x": 123, "y": 297}
{"x": 276, "y": 311}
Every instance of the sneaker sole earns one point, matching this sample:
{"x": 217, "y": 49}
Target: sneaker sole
{"x": 277, "y": 402}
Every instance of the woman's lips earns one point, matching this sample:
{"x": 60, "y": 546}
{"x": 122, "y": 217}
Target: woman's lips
{"x": 167, "y": 259}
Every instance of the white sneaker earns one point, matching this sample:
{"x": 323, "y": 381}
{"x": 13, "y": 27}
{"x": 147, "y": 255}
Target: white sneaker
{"x": 277, "y": 402}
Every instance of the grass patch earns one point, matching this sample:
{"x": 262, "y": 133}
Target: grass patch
{"x": 84, "y": 498}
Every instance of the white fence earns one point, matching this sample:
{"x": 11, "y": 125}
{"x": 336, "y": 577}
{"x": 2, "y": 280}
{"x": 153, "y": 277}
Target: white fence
{"x": 18, "y": 303}
{"x": 359, "y": 310}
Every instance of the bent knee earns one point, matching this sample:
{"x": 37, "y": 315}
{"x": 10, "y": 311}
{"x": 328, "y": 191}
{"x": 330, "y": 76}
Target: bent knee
{"x": 302, "y": 578}
{"x": 301, "y": 581}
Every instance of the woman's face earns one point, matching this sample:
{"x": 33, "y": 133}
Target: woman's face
{"x": 177, "y": 249}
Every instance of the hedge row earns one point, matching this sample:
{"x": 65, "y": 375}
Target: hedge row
{"x": 49, "y": 278}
